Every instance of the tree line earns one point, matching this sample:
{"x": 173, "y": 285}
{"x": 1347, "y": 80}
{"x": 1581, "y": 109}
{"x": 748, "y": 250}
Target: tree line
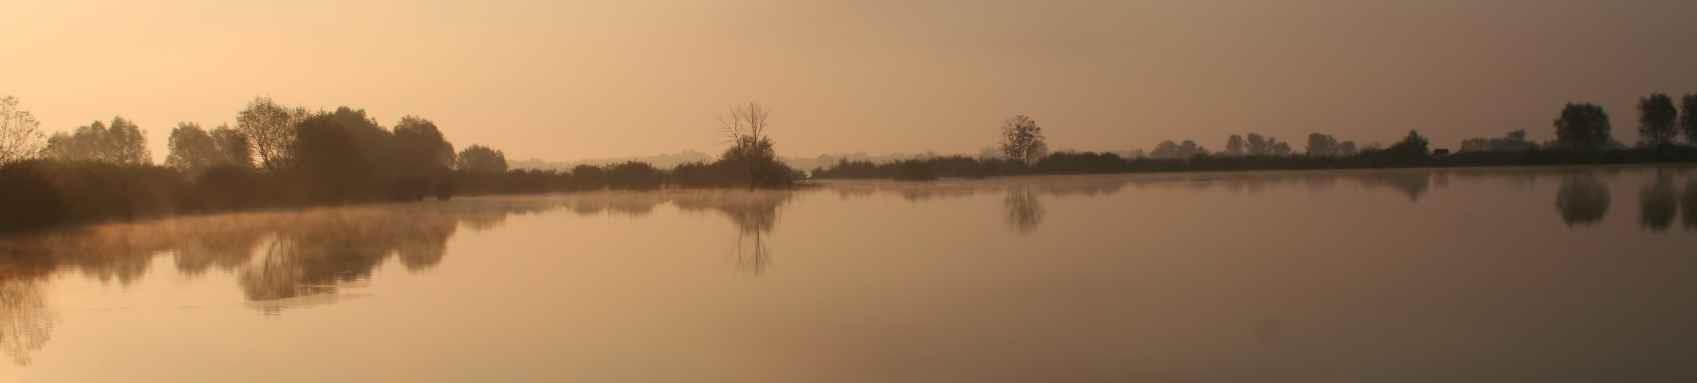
{"x": 281, "y": 156}
{"x": 1583, "y": 135}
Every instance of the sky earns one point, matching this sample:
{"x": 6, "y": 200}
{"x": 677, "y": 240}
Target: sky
{"x": 563, "y": 80}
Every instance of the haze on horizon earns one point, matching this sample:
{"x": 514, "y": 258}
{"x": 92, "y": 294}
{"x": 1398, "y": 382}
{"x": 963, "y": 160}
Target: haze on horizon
{"x": 566, "y": 80}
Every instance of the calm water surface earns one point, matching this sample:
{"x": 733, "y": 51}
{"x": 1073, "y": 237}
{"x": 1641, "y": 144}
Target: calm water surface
{"x": 1575, "y": 274}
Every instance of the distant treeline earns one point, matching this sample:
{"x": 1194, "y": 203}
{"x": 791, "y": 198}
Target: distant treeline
{"x": 278, "y": 156}
{"x": 1583, "y": 137}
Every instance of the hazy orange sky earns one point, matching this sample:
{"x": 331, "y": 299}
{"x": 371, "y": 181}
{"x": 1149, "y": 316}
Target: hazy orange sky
{"x": 565, "y": 80}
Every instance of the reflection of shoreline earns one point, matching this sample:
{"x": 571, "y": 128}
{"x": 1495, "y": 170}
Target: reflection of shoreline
{"x": 294, "y": 259}
{"x": 1582, "y": 197}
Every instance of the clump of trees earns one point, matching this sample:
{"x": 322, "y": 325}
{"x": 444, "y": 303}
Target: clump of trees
{"x": 195, "y": 151}
{"x": 1324, "y": 145}
{"x": 278, "y": 155}
{"x": 121, "y": 143}
{"x": 1178, "y": 151}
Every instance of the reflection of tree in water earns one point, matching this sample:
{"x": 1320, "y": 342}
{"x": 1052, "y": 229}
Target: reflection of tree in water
{"x": 345, "y": 247}
{"x": 1688, "y": 205}
{"x": 1657, "y": 203}
{"x": 1582, "y": 199}
{"x": 1411, "y": 183}
{"x": 26, "y": 324}
{"x": 1025, "y": 212}
{"x": 301, "y": 252}
{"x": 754, "y": 213}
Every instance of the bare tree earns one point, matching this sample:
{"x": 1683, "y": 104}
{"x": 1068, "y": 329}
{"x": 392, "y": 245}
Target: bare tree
{"x": 270, "y": 129}
{"x": 20, "y": 133}
{"x": 745, "y": 126}
{"x": 1022, "y": 139}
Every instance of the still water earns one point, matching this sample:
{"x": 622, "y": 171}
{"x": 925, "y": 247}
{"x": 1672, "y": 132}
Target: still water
{"x": 1552, "y": 274}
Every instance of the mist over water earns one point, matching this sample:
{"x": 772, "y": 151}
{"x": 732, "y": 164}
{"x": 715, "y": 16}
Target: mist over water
{"x": 1541, "y": 274}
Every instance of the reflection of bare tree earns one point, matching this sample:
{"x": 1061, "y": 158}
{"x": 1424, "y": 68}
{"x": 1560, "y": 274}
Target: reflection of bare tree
{"x": 1025, "y": 212}
{"x": 1658, "y": 203}
{"x": 758, "y": 256}
{"x": 755, "y": 214}
{"x": 26, "y": 324}
{"x": 1582, "y": 199}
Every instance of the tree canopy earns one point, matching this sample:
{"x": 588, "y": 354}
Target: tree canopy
{"x": 120, "y": 143}
{"x": 1656, "y": 116}
{"x": 1022, "y": 139}
{"x": 1583, "y": 126}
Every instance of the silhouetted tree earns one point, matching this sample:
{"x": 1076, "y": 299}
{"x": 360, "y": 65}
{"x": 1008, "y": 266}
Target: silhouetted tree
{"x": 1583, "y": 126}
{"x": 421, "y": 144}
{"x": 192, "y": 150}
{"x": 270, "y": 129}
{"x": 1169, "y": 150}
{"x": 122, "y": 143}
{"x": 1688, "y": 117}
{"x": 1322, "y": 145}
{"x": 751, "y": 150}
{"x": 1658, "y": 202}
{"x": 1582, "y": 199}
{"x": 233, "y": 147}
{"x": 1347, "y": 149}
{"x": 482, "y": 159}
{"x": 1656, "y": 116}
{"x": 20, "y": 133}
{"x": 327, "y": 155}
{"x": 1234, "y": 146}
{"x": 1413, "y": 146}
{"x": 1022, "y": 139}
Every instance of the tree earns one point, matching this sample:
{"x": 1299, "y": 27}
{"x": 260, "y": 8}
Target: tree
{"x": 1411, "y": 147}
{"x": 751, "y": 151}
{"x": 121, "y": 143}
{"x": 1346, "y": 149}
{"x": 20, "y": 133}
{"x": 1177, "y": 151}
{"x": 1321, "y": 145}
{"x": 1234, "y": 146}
{"x": 270, "y": 129}
{"x": 1022, "y": 139}
{"x": 192, "y": 150}
{"x": 1266, "y": 146}
{"x": 328, "y": 155}
{"x": 233, "y": 147}
{"x": 420, "y": 146}
{"x": 481, "y": 159}
{"x": 1583, "y": 126}
{"x": 1688, "y": 117}
{"x": 1656, "y": 116}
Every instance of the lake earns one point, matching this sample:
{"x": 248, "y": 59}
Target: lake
{"x": 1536, "y": 274}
